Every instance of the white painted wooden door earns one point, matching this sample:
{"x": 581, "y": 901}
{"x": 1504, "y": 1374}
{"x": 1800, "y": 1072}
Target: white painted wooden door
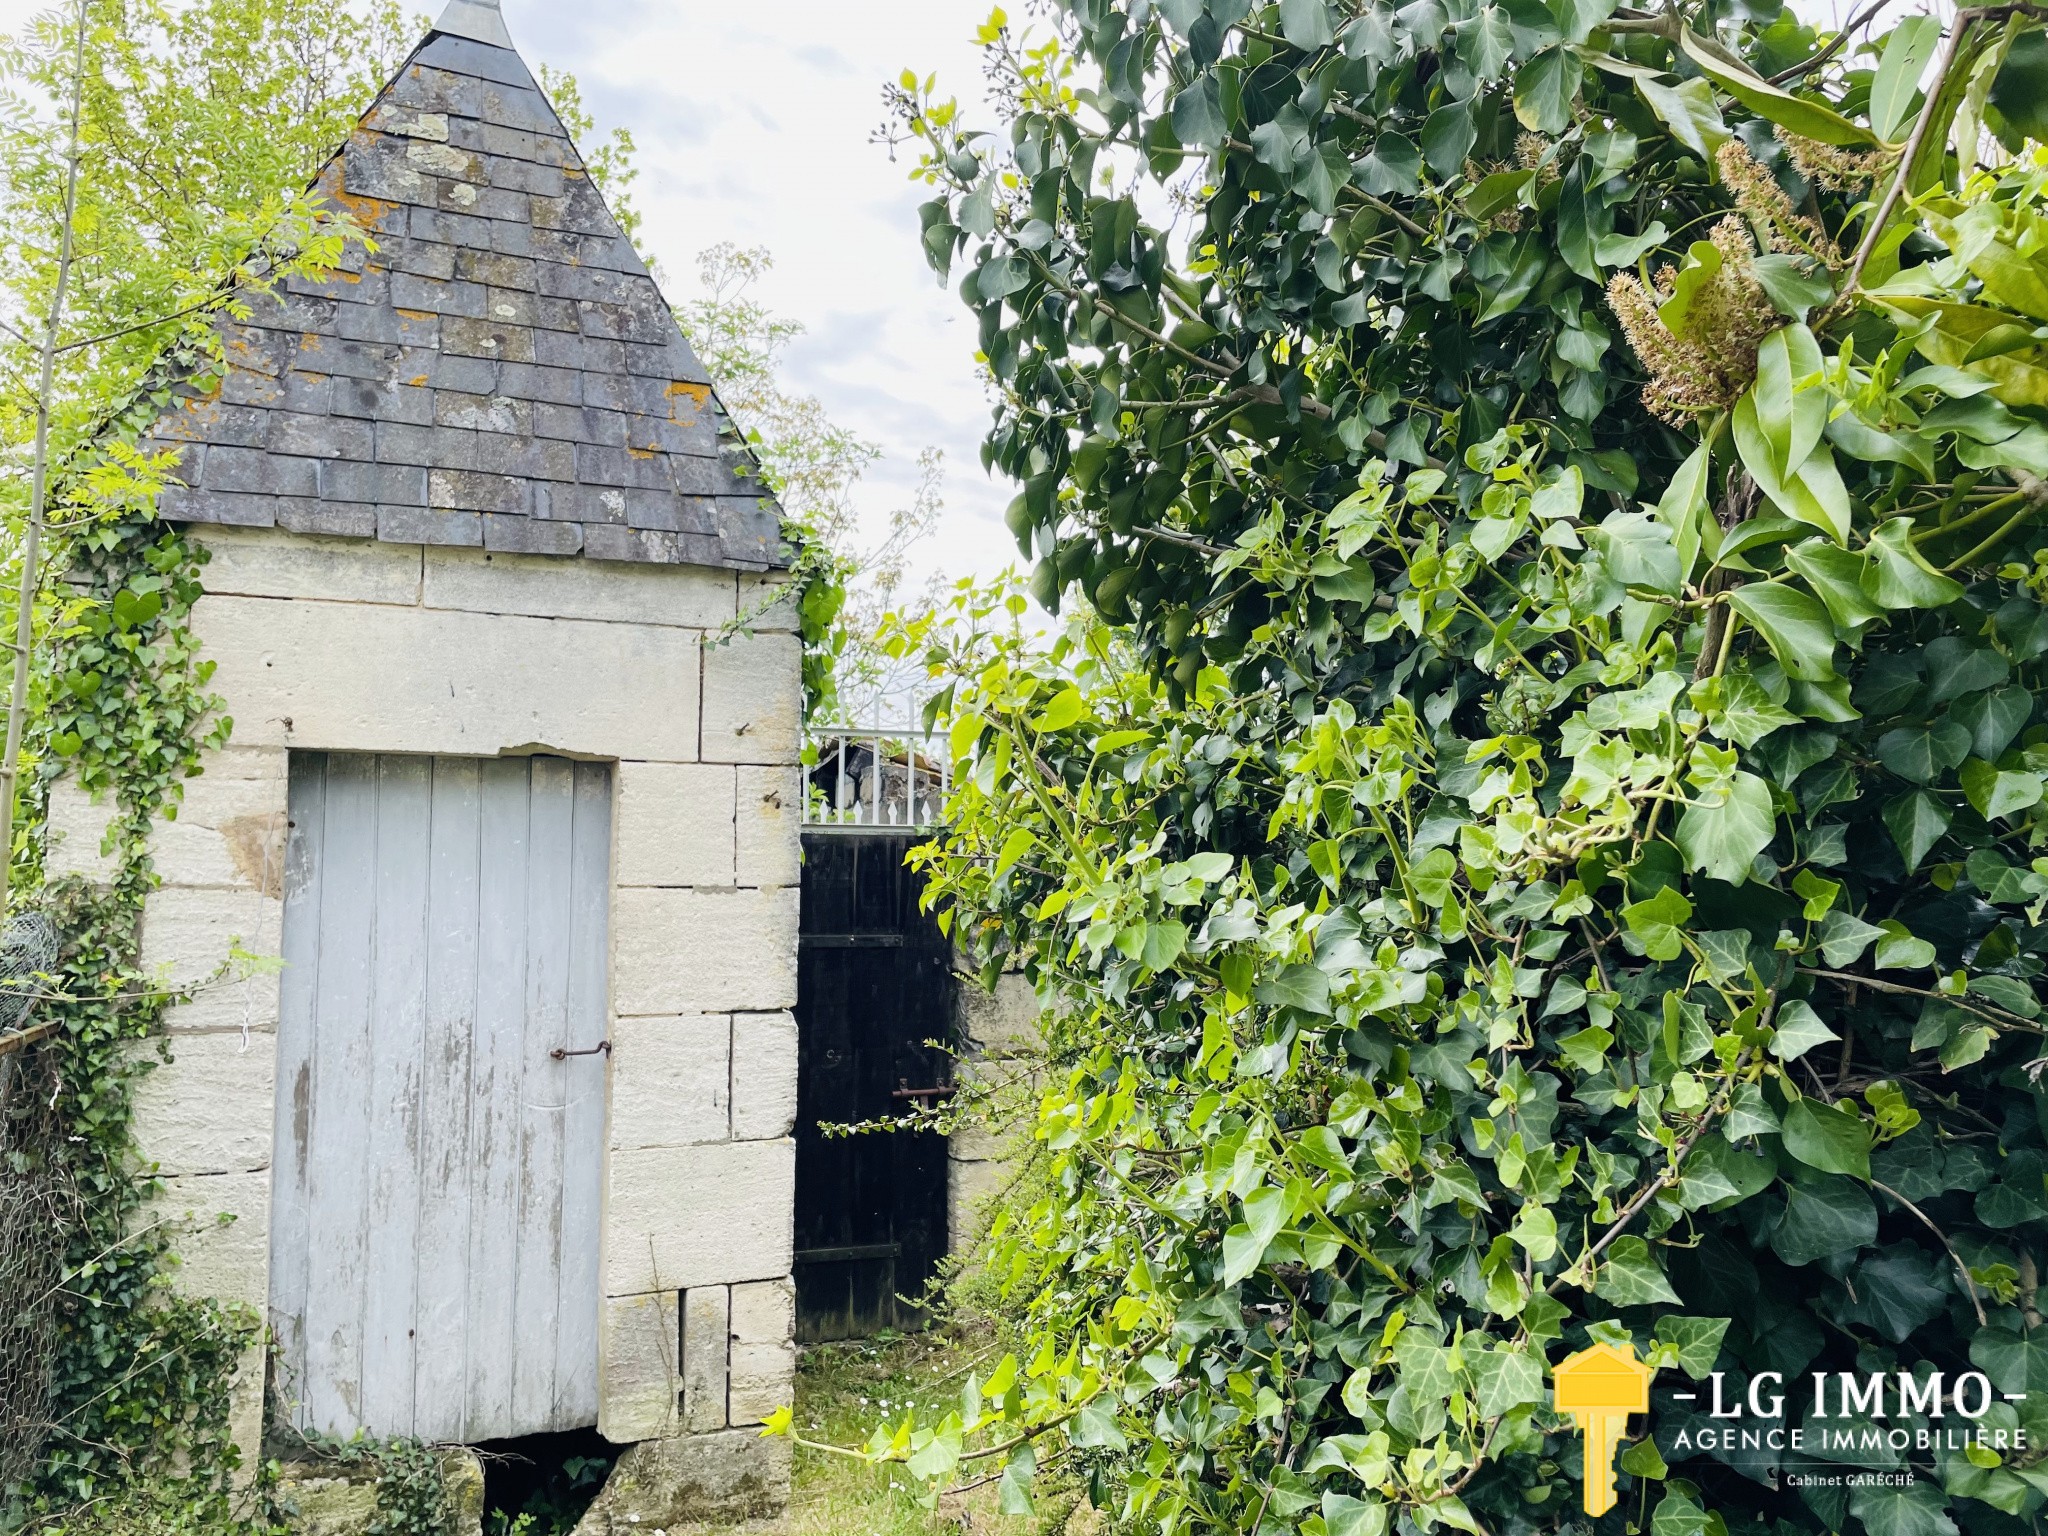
{"x": 434, "y": 1223}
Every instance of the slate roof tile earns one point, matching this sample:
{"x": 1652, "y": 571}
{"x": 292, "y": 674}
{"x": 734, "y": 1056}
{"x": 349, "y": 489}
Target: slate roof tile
{"x": 501, "y": 370}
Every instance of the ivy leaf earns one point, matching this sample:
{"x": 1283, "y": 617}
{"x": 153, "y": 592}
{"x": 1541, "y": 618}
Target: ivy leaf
{"x": 1916, "y": 823}
{"x": 1629, "y": 1276}
{"x": 1298, "y": 986}
{"x": 1827, "y": 1137}
{"x": 1799, "y": 1031}
{"x": 1723, "y": 840}
{"x": 1346, "y": 1516}
{"x": 1899, "y": 950}
{"x": 1507, "y": 1378}
{"x": 1198, "y": 114}
{"x": 1921, "y": 753}
{"x": 1837, "y": 575}
{"x": 1546, "y": 88}
{"x": 2015, "y": 1362}
{"x": 1844, "y": 937}
{"x": 1897, "y": 577}
{"x": 1697, "y": 1339}
{"x": 1658, "y": 922}
{"x": 1448, "y": 135}
{"x": 1914, "y": 1510}
{"x": 1823, "y": 1216}
{"x": 1956, "y": 667}
{"x": 1718, "y": 1174}
{"x": 1795, "y": 626}
{"x": 1994, "y": 718}
{"x": 1306, "y": 24}
{"x": 1996, "y": 793}
{"x": 1689, "y": 111}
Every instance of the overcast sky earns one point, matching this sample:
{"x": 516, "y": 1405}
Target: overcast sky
{"x": 755, "y": 124}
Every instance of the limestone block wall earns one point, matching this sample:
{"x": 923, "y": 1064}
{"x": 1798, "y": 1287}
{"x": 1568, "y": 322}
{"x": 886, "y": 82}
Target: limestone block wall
{"x": 358, "y": 646}
{"x": 1000, "y": 1052}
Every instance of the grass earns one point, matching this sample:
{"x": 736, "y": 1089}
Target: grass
{"x": 842, "y": 1392}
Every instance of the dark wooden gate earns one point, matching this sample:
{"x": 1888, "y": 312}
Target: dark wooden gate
{"x": 874, "y": 984}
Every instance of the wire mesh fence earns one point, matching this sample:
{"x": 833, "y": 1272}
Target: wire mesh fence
{"x": 38, "y": 1204}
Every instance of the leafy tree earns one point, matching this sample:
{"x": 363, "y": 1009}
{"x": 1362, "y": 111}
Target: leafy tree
{"x": 1532, "y": 833}
{"x": 814, "y": 464}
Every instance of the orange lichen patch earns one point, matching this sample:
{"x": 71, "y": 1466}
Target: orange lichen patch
{"x": 641, "y": 453}
{"x": 310, "y": 342}
{"x": 420, "y": 382}
{"x": 416, "y": 314}
{"x": 698, "y": 393}
{"x": 366, "y": 211}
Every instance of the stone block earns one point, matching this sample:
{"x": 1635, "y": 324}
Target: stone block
{"x": 208, "y": 1110}
{"x": 999, "y": 1023}
{"x": 763, "y": 1380}
{"x": 678, "y": 1217}
{"x": 187, "y": 937}
{"x": 339, "y": 1498}
{"x": 736, "y": 1474}
{"x": 221, "y": 1224}
{"x": 701, "y": 951}
{"x": 763, "y": 1076}
{"x": 248, "y": 563}
{"x": 675, "y": 824}
{"x": 671, "y": 1081}
{"x": 769, "y": 841}
{"x": 230, "y": 833}
{"x": 972, "y": 1192}
{"x": 753, "y": 700}
{"x": 763, "y": 1361}
{"x": 707, "y": 1339}
{"x": 765, "y": 599}
{"x": 639, "y": 1375}
{"x": 351, "y": 677}
{"x": 77, "y": 832}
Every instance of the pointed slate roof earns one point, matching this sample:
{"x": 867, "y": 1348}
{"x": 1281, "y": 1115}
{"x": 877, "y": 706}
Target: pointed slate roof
{"x": 502, "y": 370}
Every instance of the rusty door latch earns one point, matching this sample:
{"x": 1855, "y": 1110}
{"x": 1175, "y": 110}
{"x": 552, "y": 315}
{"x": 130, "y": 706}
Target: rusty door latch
{"x": 563, "y": 1053}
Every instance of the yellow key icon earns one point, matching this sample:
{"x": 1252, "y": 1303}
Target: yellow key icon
{"x": 1600, "y": 1387}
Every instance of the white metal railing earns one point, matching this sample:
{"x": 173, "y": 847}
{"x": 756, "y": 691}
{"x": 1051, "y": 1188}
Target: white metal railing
{"x": 876, "y": 778}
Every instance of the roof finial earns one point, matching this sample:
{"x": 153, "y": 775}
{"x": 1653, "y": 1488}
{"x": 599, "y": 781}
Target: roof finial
{"x": 479, "y": 20}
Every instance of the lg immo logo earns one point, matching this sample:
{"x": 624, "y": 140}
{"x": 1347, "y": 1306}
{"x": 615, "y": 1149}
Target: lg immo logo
{"x": 1848, "y": 1413}
{"x": 1852, "y": 1412}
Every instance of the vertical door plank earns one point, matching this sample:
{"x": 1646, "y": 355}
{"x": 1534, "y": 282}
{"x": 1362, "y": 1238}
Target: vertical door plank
{"x": 496, "y": 1147}
{"x": 292, "y": 1131}
{"x": 440, "y": 1371}
{"x": 398, "y": 983}
{"x": 589, "y": 1013}
{"x": 337, "y": 1167}
{"x": 552, "y": 812}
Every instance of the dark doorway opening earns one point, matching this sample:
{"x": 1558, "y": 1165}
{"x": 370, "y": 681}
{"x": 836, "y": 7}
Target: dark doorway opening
{"x": 875, "y": 983}
{"x": 547, "y": 1481}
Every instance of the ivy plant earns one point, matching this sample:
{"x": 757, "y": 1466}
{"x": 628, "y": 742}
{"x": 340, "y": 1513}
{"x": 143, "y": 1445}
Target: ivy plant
{"x": 1531, "y": 835}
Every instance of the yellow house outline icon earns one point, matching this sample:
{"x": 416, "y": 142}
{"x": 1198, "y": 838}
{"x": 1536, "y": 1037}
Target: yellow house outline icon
{"x": 1600, "y": 1387}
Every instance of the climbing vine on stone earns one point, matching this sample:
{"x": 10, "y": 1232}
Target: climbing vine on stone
{"x": 1533, "y": 833}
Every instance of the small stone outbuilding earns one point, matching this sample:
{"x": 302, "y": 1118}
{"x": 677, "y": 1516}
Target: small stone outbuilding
{"x": 506, "y": 1140}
